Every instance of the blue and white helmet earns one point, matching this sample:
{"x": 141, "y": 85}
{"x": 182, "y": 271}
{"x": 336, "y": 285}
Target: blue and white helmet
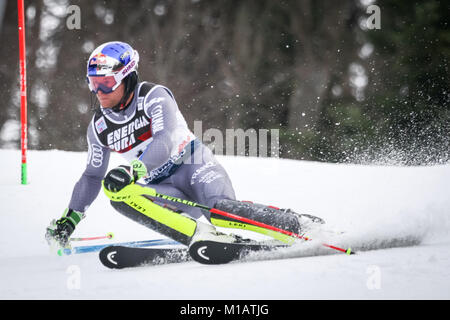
{"x": 109, "y": 64}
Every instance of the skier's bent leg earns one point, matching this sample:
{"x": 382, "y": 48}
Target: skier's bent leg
{"x": 271, "y": 216}
{"x": 170, "y": 190}
{"x": 208, "y": 183}
{"x": 166, "y": 220}
{"x": 284, "y": 219}
{"x": 205, "y": 182}
{"x": 163, "y": 220}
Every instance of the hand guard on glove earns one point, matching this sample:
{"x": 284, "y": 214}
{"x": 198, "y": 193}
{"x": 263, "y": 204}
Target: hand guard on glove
{"x": 60, "y": 230}
{"x": 118, "y": 178}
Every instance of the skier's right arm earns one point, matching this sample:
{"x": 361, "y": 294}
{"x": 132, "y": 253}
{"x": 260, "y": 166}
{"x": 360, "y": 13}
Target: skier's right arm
{"x": 84, "y": 192}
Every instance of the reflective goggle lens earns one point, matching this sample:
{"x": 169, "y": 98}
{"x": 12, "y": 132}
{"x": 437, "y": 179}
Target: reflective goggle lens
{"x": 105, "y": 84}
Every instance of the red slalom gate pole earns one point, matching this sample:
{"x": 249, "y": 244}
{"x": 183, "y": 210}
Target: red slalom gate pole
{"x": 23, "y": 89}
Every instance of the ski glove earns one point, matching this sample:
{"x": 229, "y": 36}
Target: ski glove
{"x": 118, "y": 178}
{"x": 60, "y": 230}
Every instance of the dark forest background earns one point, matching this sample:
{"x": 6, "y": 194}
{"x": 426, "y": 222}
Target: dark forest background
{"x": 337, "y": 90}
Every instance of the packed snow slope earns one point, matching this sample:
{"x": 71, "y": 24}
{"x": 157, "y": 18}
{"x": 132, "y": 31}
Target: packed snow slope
{"x": 398, "y": 218}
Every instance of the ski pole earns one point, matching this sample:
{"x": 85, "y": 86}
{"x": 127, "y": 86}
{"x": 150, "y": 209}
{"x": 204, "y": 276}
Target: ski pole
{"x": 133, "y": 190}
{"x": 137, "y": 244}
{"x": 109, "y": 235}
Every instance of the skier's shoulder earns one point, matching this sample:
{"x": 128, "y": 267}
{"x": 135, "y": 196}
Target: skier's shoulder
{"x": 148, "y": 91}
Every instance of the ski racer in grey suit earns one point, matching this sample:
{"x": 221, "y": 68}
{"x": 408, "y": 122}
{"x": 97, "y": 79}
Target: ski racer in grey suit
{"x": 142, "y": 122}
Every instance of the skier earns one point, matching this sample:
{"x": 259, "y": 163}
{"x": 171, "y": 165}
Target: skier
{"x": 142, "y": 122}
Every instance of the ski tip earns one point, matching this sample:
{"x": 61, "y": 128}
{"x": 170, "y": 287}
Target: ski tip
{"x": 349, "y": 251}
{"x": 110, "y": 235}
{"x": 108, "y": 257}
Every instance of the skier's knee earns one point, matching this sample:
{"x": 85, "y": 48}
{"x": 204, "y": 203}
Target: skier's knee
{"x": 258, "y": 212}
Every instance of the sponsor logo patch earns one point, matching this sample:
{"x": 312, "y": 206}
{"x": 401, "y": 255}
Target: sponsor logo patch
{"x": 96, "y": 156}
{"x": 101, "y": 125}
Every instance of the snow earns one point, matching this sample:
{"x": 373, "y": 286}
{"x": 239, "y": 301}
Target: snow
{"x": 397, "y": 217}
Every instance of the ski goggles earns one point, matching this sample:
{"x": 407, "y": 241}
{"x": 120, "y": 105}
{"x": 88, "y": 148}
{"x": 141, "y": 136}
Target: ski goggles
{"x": 106, "y": 84}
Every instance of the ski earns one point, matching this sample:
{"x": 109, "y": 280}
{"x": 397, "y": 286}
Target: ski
{"x": 119, "y": 257}
{"x": 95, "y": 248}
{"x": 218, "y": 252}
